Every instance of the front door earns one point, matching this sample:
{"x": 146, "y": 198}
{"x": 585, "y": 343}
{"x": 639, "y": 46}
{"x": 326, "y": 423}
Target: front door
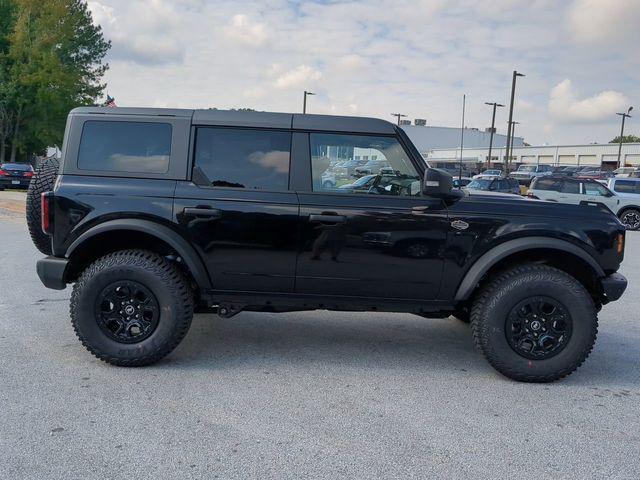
{"x": 383, "y": 242}
{"x": 238, "y": 211}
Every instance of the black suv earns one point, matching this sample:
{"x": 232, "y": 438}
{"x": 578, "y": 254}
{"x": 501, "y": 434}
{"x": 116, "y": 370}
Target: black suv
{"x": 156, "y": 214}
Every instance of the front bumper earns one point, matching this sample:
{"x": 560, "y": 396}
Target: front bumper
{"x": 51, "y": 271}
{"x": 613, "y": 286}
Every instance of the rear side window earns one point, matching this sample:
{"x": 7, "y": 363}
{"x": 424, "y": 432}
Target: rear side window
{"x": 552, "y": 184}
{"x": 570, "y": 187}
{"x": 626, "y": 186}
{"x": 131, "y": 147}
{"x": 243, "y": 158}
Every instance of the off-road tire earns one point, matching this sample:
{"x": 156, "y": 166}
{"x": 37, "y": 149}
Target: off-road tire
{"x": 42, "y": 181}
{"x": 496, "y": 299}
{"x": 167, "y": 283}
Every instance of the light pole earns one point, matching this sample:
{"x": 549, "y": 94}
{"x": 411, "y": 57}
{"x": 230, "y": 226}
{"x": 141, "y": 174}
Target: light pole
{"x": 493, "y": 127}
{"x": 464, "y": 104}
{"x": 513, "y": 93}
{"x": 304, "y": 101}
{"x": 624, "y": 117}
{"x": 399, "y": 115}
{"x": 513, "y": 133}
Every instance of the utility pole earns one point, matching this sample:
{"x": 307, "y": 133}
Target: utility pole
{"x": 493, "y": 127}
{"x": 464, "y": 101}
{"x": 624, "y": 117}
{"x": 304, "y": 101}
{"x": 398, "y": 115}
{"x": 513, "y": 133}
{"x": 513, "y": 93}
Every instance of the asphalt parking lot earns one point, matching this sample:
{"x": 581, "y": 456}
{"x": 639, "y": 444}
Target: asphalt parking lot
{"x": 303, "y": 395}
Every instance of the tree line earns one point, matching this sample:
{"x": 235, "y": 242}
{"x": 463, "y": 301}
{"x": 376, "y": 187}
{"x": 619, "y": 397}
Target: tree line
{"x": 51, "y": 60}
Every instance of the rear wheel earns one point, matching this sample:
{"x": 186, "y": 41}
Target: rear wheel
{"x": 131, "y": 308}
{"x": 42, "y": 181}
{"x": 630, "y": 218}
{"x": 534, "y": 323}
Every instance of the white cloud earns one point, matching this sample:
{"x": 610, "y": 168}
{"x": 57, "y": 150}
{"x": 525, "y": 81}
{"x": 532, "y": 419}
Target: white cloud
{"x": 564, "y": 105}
{"x": 242, "y": 30}
{"x": 605, "y": 23}
{"x": 374, "y": 57}
{"x": 301, "y": 76}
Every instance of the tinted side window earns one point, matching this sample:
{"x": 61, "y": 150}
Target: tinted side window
{"x": 570, "y": 187}
{"x": 243, "y": 158}
{"x": 552, "y": 184}
{"x": 132, "y": 147}
{"x": 625, "y": 186}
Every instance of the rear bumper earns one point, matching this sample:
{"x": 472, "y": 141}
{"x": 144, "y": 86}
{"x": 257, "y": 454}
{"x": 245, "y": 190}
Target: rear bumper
{"x": 613, "y": 286}
{"x": 9, "y": 182}
{"x": 51, "y": 271}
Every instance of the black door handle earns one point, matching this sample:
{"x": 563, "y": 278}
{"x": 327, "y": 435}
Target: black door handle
{"x": 202, "y": 212}
{"x": 327, "y": 218}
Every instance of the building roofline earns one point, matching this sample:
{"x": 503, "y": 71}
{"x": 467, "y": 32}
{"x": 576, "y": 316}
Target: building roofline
{"x": 538, "y": 146}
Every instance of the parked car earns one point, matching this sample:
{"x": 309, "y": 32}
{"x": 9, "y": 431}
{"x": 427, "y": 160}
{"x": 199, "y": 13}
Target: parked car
{"x": 495, "y": 184}
{"x": 461, "y": 182}
{"x": 492, "y": 172}
{"x": 347, "y": 168}
{"x": 156, "y": 214}
{"x": 587, "y": 192}
{"x": 361, "y": 184}
{"x": 568, "y": 171}
{"x": 15, "y": 175}
{"x": 372, "y": 166}
{"x": 525, "y": 173}
{"x": 625, "y": 172}
{"x": 602, "y": 176}
{"x": 626, "y": 187}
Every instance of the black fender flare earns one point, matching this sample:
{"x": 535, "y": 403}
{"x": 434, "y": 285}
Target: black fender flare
{"x": 162, "y": 232}
{"x": 503, "y": 250}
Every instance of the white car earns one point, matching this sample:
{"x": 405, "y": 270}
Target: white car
{"x": 587, "y": 192}
{"x": 488, "y": 174}
{"x": 624, "y": 172}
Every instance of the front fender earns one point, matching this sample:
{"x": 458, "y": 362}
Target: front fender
{"x": 510, "y": 247}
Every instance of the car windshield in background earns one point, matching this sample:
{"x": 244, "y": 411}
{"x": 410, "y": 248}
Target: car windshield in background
{"x": 480, "y": 184}
{"x": 492, "y": 172}
{"x": 16, "y": 166}
{"x": 363, "y": 180}
{"x": 527, "y": 168}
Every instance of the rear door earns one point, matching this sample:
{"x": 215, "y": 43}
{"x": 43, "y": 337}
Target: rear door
{"x": 237, "y": 209}
{"x": 383, "y": 242}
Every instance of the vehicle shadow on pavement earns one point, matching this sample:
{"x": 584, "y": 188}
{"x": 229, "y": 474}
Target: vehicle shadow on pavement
{"x": 361, "y": 340}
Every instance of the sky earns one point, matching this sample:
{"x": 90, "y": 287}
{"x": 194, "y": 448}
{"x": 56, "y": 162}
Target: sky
{"x": 377, "y": 57}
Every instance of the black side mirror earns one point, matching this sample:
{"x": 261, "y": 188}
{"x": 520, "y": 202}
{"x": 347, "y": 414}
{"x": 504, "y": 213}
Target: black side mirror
{"x": 437, "y": 183}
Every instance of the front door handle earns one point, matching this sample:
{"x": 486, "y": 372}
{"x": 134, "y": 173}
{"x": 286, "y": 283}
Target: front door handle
{"x": 202, "y": 212}
{"x": 420, "y": 209}
{"x": 325, "y": 218}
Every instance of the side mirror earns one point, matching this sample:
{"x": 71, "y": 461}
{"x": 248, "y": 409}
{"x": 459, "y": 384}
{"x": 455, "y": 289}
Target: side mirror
{"x": 437, "y": 183}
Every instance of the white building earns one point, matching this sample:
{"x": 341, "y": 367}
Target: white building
{"x": 605, "y": 155}
{"x": 427, "y": 138}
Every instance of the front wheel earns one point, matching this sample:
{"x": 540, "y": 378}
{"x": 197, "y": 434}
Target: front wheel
{"x": 534, "y": 323}
{"x": 630, "y": 219}
{"x": 131, "y": 308}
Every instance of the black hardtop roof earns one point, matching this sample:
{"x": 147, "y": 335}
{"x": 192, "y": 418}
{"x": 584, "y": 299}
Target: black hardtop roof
{"x": 332, "y": 123}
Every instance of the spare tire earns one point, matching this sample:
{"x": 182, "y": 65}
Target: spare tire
{"x": 42, "y": 181}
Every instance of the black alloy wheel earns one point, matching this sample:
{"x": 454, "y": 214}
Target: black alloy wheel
{"x": 127, "y": 311}
{"x": 538, "y": 328}
{"x": 631, "y": 219}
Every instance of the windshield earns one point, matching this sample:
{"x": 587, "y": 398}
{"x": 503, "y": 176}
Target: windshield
{"x": 363, "y": 180}
{"x": 480, "y": 184}
{"x": 527, "y": 168}
{"x": 491, "y": 172}
{"x": 16, "y": 166}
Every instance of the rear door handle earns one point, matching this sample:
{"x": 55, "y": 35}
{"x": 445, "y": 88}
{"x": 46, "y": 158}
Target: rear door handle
{"x": 327, "y": 218}
{"x": 202, "y": 212}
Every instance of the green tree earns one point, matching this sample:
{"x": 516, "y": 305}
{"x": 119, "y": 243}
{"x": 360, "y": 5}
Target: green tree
{"x": 626, "y": 139}
{"x": 51, "y": 60}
